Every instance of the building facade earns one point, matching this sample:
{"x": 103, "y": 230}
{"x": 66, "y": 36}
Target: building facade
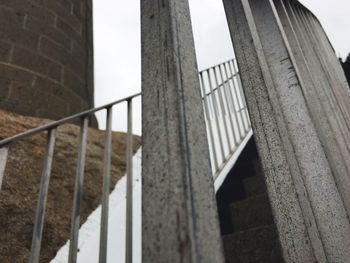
{"x": 46, "y": 57}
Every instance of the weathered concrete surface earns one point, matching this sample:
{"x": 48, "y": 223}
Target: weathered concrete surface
{"x": 180, "y": 221}
{"x": 329, "y": 73}
{"x": 329, "y": 60}
{"x": 309, "y": 212}
{"x": 333, "y": 134}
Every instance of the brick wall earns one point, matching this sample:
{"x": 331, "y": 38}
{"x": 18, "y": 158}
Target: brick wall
{"x": 46, "y": 57}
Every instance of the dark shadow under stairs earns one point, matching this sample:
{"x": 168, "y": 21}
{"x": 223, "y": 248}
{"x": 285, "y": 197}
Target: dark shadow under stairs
{"x": 246, "y": 221}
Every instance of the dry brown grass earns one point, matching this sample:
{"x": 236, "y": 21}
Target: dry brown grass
{"x": 19, "y": 194}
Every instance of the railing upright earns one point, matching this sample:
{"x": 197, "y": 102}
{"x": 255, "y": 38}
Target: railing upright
{"x": 227, "y": 129}
{"x": 228, "y": 105}
{"x": 216, "y": 116}
{"x": 105, "y": 187}
{"x": 234, "y": 72}
{"x": 44, "y": 189}
{"x": 129, "y": 189}
{"x": 78, "y": 191}
{"x": 208, "y": 122}
{"x": 223, "y": 111}
{"x": 234, "y": 98}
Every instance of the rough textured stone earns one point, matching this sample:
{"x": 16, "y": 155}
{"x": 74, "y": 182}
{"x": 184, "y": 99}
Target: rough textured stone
{"x": 20, "y": 188}
{"x": 257, "y": 245}
{"x": 5, "y": 49}
{"x": 252, "y": 212}
{"x": 46, "y": 39}
{"x": 329, "y": 122}
{"x": 179, "y": 217}
{"x": 254, "y": 185}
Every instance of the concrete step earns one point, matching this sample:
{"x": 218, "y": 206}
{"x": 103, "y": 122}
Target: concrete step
{"x": 257, "y": 167}
{"x": 257, "y": 245}
{"x": 250, "y": 213}
{"x": 254, "y": 185}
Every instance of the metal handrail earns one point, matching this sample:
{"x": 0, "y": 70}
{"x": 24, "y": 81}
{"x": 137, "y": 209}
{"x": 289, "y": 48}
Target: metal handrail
{"x": 205, "y": 69}
{"x": 227, "y": 123}
{"x": 55, "y": 124}
{"x": 220, "y": 85}
{"x": 226, "y": 113}
{"x": 50, "y": 128}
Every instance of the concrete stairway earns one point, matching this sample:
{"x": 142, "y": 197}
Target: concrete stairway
{"x": 249, "y": 234}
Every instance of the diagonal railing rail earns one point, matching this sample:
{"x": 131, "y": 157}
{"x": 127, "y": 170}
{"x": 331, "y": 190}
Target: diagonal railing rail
{"x": 228, "y": 128}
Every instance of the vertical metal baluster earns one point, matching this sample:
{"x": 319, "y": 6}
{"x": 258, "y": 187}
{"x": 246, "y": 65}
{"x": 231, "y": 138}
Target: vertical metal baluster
{"x": 223, "y": 110}
{"x": 105, "y": 187}
{"x": 3, "y": 161}
{"x": 206, "y": 96}
{"x": 236, "y": 140}
{"x": 216, "y": 117}
{"x": 78, "y": 192}
{"x": 235, "y": 98}
{"x": 206, "y": 111}
{"x": 235, "y": 71}
{"x": 129, "y": 190}
{"x": 238, "y": 97}
{"x": 238, "y": 116}
{"x": 44, "y": 188}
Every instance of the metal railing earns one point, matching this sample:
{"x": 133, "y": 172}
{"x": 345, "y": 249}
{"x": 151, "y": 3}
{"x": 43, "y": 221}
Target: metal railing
{"x": 50, "y": 129}
{"x": 226, "y": 112}
{"x": 227, "y": 123}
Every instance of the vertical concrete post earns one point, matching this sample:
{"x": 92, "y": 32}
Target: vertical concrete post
{"x": 330, "y": 60}
{"x": 320, "y": 74}
{"x": 179, "y": 213}
{"x": 333, "y": 135}
{"x": 336, "y": 86}
{"x": 309, "y": 212}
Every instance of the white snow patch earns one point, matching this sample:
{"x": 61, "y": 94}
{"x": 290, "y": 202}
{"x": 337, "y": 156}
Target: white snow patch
{"x": 89, "y": 233}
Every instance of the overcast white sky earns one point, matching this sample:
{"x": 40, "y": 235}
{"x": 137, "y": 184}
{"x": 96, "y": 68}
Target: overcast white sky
{"x": 118, "y": 50}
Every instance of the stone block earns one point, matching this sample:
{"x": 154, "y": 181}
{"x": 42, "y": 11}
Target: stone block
{"x": 36, "y": 63}
{"x": 55, "y": 52}
{"x": 4, "y": 88}
{"x": 62, "y": 9}
{"x": 258, "y": 245}
{"x": 4, "y": 51}
{"x": 11, "y": 72}
{"x": 16, "y": 34}
{"x": 251, "y": 213}
{"x": 48, "y": 31}
{"x": 9, "y": 15}
{"x": 36, "y": 45}
{"x": 69, "y": 30}
{"x": 75, "y": 84}
{"x": 254, "y": 185}
{"x": 31, "y": 8}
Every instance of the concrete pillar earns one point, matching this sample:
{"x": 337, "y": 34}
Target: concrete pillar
{"x": 179, "y": 214}
{"x": 320, "y": 74}
{"x": 334, "y": 135}
{"x": 309, "y": 212}
{"x": 330, "y": 60}
{"x": 331, "y": 74}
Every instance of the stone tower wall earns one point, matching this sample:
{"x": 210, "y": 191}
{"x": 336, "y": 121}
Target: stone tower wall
{"x": 46, "y": 57}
